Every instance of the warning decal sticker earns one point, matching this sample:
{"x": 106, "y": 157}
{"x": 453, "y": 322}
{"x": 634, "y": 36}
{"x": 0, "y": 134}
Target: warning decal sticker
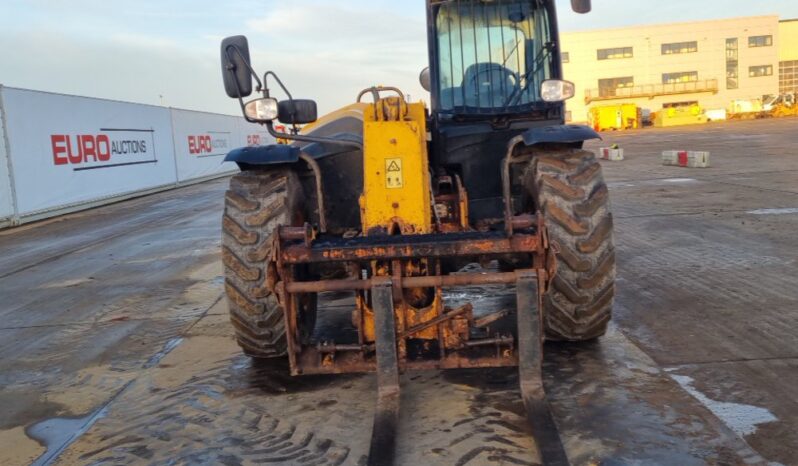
{"x": 393, "y": 173}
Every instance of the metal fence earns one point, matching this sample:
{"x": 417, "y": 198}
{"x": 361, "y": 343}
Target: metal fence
{"x": 651, "y": 90}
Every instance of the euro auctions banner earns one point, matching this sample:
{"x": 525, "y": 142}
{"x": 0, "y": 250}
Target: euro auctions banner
{"x": 255, "y": 134}
{"x": 201, "y": 142}
{"x": 69, "y": 150}
{"x": 6, "y": 201}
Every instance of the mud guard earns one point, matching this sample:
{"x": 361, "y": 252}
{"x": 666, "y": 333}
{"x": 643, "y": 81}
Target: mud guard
{"x": 273, "y": 154}
{"x": 566, "y": 134}
{"x": 280, "y": 154}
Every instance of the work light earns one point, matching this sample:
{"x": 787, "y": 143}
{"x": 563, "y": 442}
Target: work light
{"x": 264, "y": 109}
{"x": 556, "y": 90}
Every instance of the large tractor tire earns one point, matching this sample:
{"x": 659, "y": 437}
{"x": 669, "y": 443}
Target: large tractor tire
{"x": 255, "y": 204}
{"x": 567, "y": 185}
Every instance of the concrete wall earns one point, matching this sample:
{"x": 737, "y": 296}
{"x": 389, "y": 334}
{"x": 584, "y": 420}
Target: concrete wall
{"x": 788, "y": 56}
{"x": 649, "y": 64}
{"x": 788, "y": 40}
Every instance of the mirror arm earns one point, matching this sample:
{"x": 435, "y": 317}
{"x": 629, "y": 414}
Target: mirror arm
{"x": 274, "y": 75}
{"x": 249, "y": 67}
{"x": 304, "y": 138}
{"x": 285, "y": 89}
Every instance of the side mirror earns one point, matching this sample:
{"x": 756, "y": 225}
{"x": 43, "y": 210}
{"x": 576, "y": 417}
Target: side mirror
{"x": 236, "y": 70}
{"x": 261, "y": 110}
{"x": 297, "y": 112}
{"x": 581, "y": 6}
{"x": 425, "y": 79}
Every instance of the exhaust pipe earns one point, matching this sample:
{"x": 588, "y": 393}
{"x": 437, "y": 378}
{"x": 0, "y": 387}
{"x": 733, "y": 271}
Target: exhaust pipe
{"x": 581, "y": 6}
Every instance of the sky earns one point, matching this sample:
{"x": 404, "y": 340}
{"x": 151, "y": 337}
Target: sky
{"x": 166, "y": 52}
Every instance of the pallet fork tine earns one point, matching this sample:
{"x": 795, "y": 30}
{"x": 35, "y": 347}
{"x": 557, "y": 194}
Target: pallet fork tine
{"x": 530, "y": 370}
{"x": 386, "y": 417}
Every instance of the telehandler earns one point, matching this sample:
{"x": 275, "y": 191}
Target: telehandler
{"x": 389, "y": 200}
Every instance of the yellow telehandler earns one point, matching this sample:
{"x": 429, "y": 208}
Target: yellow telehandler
{"x": 387, "y": 201}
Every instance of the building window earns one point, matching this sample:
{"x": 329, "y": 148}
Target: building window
{"x": 788, "y": 76}
{"x": 758, "y": 71}
{"x": 611, "y": 54}
{"x": 760, "y": 41}
{"x": 566, "y": 57}
{"x": 680, "y": 104}
{"x": 682, "y": 77}
{"x": 679, "y": 47}
{"x": 732, "y": 64}
{"x": 609, "y": 86}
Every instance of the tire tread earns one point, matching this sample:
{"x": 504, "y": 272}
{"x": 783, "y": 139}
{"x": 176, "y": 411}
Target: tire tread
{"x": 569, "y": 187}
{"x": 255, "y": 203}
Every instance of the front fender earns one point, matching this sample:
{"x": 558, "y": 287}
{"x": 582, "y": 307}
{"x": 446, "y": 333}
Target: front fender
{"x": 273, "y": 154}
{"x": 278, "y": 154}
{"x": 566, "y": 134}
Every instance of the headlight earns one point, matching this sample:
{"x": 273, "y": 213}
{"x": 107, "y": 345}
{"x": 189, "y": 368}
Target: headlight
{"x": 556, "y": 90}
{"x": 261, "y": 109}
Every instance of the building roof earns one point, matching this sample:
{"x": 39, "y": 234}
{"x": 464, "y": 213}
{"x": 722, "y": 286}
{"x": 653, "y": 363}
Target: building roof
{"x": 678, "y": 23}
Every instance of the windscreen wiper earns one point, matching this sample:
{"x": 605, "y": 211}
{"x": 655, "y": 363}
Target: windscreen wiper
{"x": 542, "y": 55}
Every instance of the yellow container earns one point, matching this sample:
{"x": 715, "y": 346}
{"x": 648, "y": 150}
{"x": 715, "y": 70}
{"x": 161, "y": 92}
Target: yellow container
{"x": 678, "y": 116}
{"x": 615, "y": 117}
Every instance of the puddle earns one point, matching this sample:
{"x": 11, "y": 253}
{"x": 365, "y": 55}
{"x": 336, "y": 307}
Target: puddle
{"x": 655, "y": 182}
{"x": 790, "y": 210}
{"x": 58, "y": 433}
{"x": 678, "y": 180}
{"x": 169, "y": 346}
{"x": 67, "y": 283}
{"x": 740, "y": 418}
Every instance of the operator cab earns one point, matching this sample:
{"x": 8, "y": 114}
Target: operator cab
{"x": 493, "y": 58}
{"x": 490, "y": 56}
{"x": 495, "y": 72}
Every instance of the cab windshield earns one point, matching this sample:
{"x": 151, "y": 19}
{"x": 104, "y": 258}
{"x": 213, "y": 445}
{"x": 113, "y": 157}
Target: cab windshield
{"x": 492, "y": 55}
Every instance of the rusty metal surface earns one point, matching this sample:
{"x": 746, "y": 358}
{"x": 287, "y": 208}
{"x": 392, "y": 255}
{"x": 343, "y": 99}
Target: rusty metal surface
{"x": 411, "y": 246}
{"x": 412, "y": 331}
{"x": 411, "y": 262}
{"x": 351, "y": 362}
{"x": 444, "y": 281}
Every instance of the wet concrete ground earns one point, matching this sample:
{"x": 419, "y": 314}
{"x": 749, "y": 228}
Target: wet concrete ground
{"x": 115, "y": 346}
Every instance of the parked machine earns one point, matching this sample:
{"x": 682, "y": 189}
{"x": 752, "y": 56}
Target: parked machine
{"x": 770, "y": 106}
{"x": 782, "y": 105}
{"x": 679, "y": 116}
{"x": 615, "y": 117}
{"x": 387, "y": 201}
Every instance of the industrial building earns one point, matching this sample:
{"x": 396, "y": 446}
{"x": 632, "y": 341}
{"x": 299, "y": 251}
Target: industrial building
{"x": 708, "y": 63}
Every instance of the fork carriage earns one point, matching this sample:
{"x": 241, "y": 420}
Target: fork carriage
{"x": 440, "y": 337}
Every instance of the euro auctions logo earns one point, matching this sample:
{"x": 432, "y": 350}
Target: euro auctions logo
{"x": 212, "y": 144}
{"x": 109, "y": 147}
{"x": 253, "y": 139}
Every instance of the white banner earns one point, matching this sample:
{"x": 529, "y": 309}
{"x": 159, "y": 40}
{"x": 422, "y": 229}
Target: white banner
{"x": 68, "y": 150}
{"x": 201, "y": 142}
{"x": 6, "y": 201}
{"x": 254, "y": 134}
